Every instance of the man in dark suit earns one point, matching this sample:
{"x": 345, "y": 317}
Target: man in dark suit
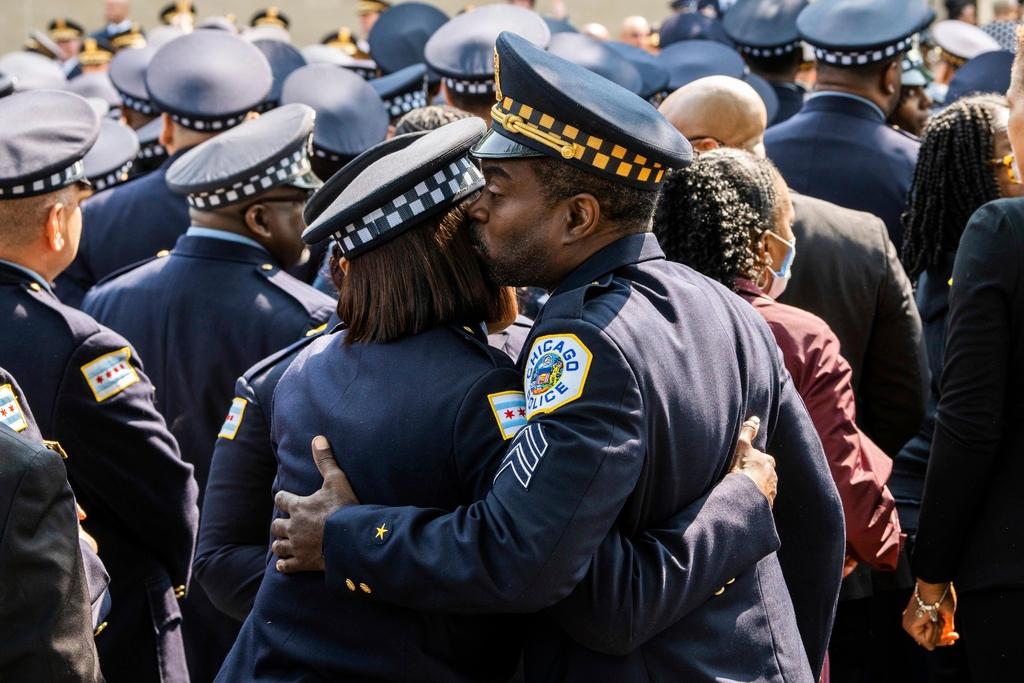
{"x": 839, "y": 147}
{"x": 138, "y": 219}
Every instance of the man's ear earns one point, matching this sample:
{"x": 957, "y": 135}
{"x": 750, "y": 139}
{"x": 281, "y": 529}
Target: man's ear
{"x": 53, "y": 232}
{"x": 167, "y": 132}
{"x": 892, "y": 77}
{"x": 256, "y": 221}
{"x": 704, "y": 144}
{"x": 583, "y": 215}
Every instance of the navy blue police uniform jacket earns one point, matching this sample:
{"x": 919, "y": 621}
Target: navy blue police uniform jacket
{"x": 88, "y": 391}
{"x": 416, "y": 421}
{"x": 238, "y": 505}
{"x": 840, "y": 149}
{"x": 201, "y": 316}
{"x": 126, "y": 224}
{"x": 638, "y": 377}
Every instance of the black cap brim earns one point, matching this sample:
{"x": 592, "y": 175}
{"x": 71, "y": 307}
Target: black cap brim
{"x": 494, "y": 145}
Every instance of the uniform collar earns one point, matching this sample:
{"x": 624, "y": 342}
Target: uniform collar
{"x": 846, "y": 103}
{"x": 210, "y": 233}
{"x": 219, "y": 249}
{"x": 30, "y": 274}
{"x": 622, "y": 252}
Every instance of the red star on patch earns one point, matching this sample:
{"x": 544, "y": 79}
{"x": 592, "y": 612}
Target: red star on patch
{"x": 522, "y": 412}
{"x": 509, "y": 414}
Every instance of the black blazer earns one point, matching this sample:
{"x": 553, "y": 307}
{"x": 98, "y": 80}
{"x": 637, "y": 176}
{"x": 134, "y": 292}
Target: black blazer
{"x": 45, "y": 617}
{"x": 847, "y": 272}
{"x": 972, "y": 521}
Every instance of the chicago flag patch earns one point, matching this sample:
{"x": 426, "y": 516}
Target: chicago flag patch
{"x": 110, "y": 374}
{"x": 509, "y": 408}
{"x": 556, "y": 372}
{"x": 10, "y": 410}
{"x": 229, "y": 430}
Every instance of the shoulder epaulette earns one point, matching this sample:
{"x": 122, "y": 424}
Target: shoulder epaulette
{"x": 316, "y": 303}
{"x": 131, "y": 266}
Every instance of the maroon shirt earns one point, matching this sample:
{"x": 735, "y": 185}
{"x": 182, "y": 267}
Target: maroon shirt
{"x": 810, "y": 351}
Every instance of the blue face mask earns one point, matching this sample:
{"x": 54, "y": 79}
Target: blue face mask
{"x": 780, "y": 277}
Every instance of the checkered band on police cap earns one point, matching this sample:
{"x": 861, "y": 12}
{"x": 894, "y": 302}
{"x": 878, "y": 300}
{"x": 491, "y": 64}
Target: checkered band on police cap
{"x": 405, "y": 103}
{"x": 458, "y": 179}
{"x": 773, "y": 51}
{"x": 137, "y": 104}
{"x": 840, "y": 58}
{"x": 205, "y": 125}
{"x": 152, "y": 151}
{"x": 279, "y": 173}
{"x": 470, "y": 87}
{"x": 112, "y": 178}
{"x": 53, "y": 181}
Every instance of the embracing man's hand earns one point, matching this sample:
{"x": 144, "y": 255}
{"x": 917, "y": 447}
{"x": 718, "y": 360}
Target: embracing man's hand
{"x": 760, "y": 467}
{"x": 300, "y": 535}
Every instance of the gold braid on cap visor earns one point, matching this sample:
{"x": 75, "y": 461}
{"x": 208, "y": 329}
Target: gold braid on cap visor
{"x": 572, "y": 143}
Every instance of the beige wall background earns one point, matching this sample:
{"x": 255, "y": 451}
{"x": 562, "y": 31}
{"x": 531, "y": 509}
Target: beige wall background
{"x": 311, "y": 19}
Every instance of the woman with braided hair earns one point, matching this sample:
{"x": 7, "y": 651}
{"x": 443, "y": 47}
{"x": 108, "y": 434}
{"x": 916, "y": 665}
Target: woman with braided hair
{"x": 965, "y": 162}
{"x": 728, "y": 216}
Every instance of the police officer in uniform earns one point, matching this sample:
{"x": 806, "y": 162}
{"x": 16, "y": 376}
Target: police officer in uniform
{"x": 839, "y": 147}
{"x": 87, "y": 388}
{"x": 765, "y": 33}
{"x": 625, "y": 341}
{"x": 245, "y": 188}
{"x": 238, "y": 504}
{"x": 198, "y": 101}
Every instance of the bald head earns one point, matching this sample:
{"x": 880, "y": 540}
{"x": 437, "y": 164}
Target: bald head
{"x": 718, "y": 111}
{"x": 635, "y": 31}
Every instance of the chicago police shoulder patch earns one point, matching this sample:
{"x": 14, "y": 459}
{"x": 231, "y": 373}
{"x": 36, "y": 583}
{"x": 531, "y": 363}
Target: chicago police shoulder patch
{"x": 509, "y": 408}
{"x": 11, "y": 414}
{"x": 110, "y": 374}
{"x": 556, "y": 371}
{"x": 233, "y": 421}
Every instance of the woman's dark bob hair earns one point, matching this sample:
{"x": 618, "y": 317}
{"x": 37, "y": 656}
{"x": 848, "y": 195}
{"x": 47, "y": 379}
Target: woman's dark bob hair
{"x": 426, "y": 277}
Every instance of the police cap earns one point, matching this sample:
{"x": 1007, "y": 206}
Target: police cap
{"x": 462, "y": 50}
{"x": 852, "y": 33}
{"x": 208, "y": 80}
{"x": 653, "y": 76}
{"x": 693, "y": 59}
{"x": 402, "y": 189}
{"x": 32, "y": 71}
{"x": 691, "y": 26}
{"x": 548, "y": 106}
{"x": 128, "y": 75}
{"x": 399, "y": 35}
{"x": 284, "y": 59}
{"x": 986, "y": 73}
{"x": 248, "y": 160}
{"x": 270, "y": 16}
{"x": 597, "y": 57}
{"x": 403, "y": 90}
{"x": 959, "y": 41}
{"x": 764, "y": 28}
{"x": 109, "y": 161}
{"x": 44, "y": 135}
{"x": 350, "y": 116}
